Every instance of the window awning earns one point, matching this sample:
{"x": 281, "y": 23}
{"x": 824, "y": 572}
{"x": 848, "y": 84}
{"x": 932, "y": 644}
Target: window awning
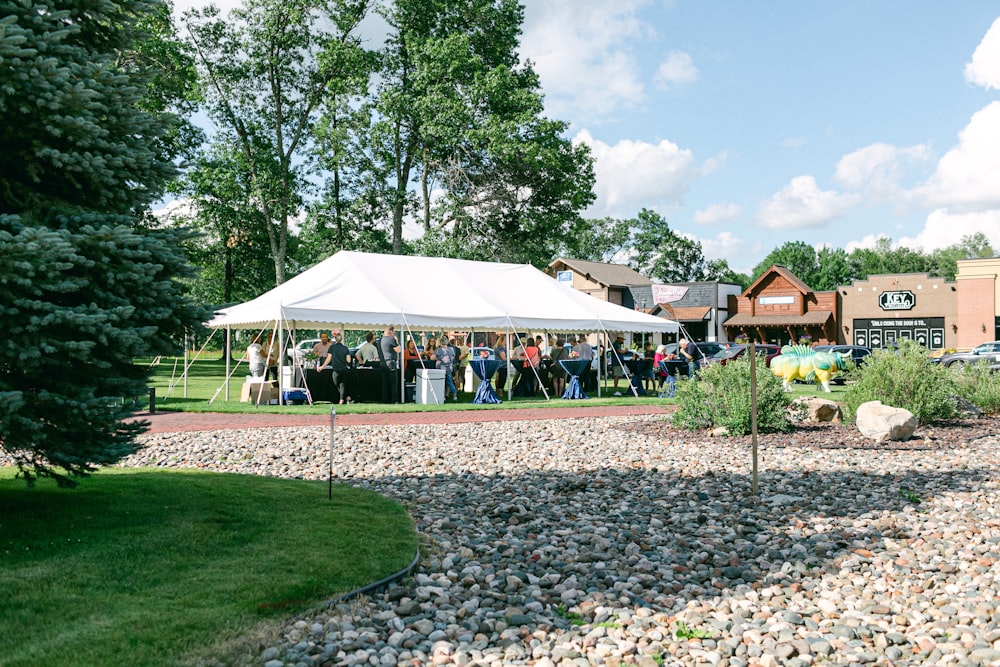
{"x": 816, "y": 318}
{"x": 687, "y": 313}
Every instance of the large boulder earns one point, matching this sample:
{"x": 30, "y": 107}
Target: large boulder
{"x": 884, "y": 422}
{"x": 818, "y": 409}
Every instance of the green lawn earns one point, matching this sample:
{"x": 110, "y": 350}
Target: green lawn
{"x": 142, "y": 567}
{"x": 208, "y": 374}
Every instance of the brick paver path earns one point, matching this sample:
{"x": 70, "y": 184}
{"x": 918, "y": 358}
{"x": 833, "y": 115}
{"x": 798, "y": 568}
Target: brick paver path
{"x": 166, "y": 422}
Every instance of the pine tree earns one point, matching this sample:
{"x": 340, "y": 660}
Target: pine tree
{"x": 85, "y": 286}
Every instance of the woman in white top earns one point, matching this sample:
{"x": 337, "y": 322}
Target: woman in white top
{"x": 256, "y": 359}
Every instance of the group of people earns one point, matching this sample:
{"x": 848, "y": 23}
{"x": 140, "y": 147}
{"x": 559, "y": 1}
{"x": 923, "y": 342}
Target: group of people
{"x": 333, "y": 357}
{"x": 532, "y": 353}
{"x": 444, "y": 353}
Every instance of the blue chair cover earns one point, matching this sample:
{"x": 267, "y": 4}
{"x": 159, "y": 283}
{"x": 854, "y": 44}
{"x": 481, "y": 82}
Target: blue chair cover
{"x": 573, "y": 368}
{"x": 670, "y": 385}
{"x": 484, "y": 369}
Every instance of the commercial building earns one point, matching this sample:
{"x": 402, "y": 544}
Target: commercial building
{"x": 700, "y": 307}
{"x": 978, "y": 312}
{"x": 886, "y": 308}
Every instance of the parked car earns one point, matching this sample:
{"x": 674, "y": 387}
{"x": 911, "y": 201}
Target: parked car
{"x": 705, "y": 348}
{"x": 765, "y": 350}
{"x": 855, "y": 353}
{"x": 989, "y": 352}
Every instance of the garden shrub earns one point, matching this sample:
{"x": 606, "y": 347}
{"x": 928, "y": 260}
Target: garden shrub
{"x": 904, "y": 378}
{"x": 721, "y": 397}
{"x": 979, "y": 385}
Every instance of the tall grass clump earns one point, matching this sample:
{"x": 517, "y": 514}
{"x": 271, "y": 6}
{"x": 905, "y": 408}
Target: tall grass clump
{"x": 721, "y": 397}
{"x": 904, "y": 378}
{"x": 979, "y": 385}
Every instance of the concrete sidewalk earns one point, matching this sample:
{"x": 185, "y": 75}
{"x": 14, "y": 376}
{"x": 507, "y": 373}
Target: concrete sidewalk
{"x": 167, "y": 422}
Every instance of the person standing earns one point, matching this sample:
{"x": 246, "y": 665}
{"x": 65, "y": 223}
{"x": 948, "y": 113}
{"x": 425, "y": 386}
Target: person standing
{"x": 367, "y": 353}
{"x": 585, "y": 351}
{"x": 556, "y": 372}
{"x": 411, "y": 360}
{"x": 617, "y": 369}
{"x": 256, "y": 358}
{"x": 461, "y": 354}
{"x": 272, "y": 351}
{"x": 689, "y": 351}
{"x": 340, "y": 365}
{"x": 532, "y": 360}
{"x": 321, "y": 348}
{"x": 388, "y": 349}
{"x": 500, "y": 354}
{"x": 445, "y": 356}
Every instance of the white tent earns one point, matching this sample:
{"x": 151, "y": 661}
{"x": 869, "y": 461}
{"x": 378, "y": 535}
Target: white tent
{"x": 360, "y": 290}
{"x": 353, "y": 290}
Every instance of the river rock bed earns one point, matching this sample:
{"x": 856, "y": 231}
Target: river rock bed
{"x": 611, "y": 541}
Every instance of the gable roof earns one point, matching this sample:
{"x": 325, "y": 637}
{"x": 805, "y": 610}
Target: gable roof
{"x": 609, "y": 275}
{"x": 362, "y": 290}
{"x": 784, "y": 273}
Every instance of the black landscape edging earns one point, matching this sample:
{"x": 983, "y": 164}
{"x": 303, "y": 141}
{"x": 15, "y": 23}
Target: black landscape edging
{"x": 381, "y": 584}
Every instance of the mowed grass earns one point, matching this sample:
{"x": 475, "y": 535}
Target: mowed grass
{"x": 208, "y": 373}
{"x": 144, "y": 567}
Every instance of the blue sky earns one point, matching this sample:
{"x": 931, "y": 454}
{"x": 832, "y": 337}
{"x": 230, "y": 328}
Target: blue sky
{"x": 749, "y": 124}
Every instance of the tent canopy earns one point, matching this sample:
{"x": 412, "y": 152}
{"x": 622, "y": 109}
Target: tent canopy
{"x": 361, "y": 290}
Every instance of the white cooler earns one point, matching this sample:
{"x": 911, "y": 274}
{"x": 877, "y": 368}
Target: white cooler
{"x": 426, "y": 379}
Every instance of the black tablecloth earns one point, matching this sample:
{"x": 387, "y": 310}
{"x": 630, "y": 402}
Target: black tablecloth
{"x": 636, "y": 367}
{"x": 363, "y": 384}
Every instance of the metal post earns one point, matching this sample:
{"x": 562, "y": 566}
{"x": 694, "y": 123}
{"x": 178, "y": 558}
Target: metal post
{"x": 753, "y": 414}
{"x": 333, "y": 419}
{"x": 152, "y": 400}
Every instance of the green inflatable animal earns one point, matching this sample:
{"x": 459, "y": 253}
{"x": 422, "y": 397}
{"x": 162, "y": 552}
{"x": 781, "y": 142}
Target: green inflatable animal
{"x": 801, "y": 362}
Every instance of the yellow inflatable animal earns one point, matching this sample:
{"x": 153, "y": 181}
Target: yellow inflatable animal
{"x": 800, "y": 362}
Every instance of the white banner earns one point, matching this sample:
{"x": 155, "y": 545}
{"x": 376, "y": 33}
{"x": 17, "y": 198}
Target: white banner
{"x": 668, "y": 293}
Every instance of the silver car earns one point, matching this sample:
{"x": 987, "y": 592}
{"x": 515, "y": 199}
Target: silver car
{"x": 988, "y": 352}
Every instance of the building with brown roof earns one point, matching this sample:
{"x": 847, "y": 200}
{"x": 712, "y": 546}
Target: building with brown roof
{"x": 779, "y": 308}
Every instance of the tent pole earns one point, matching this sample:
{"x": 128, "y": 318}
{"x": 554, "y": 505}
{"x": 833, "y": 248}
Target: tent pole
{"x": 229, "y": 347}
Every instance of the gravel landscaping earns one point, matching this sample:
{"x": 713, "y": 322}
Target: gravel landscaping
{"x": 620, "y": 540}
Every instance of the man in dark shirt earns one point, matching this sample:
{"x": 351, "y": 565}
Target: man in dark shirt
{"x": 340, "y": 363}
{"x": 388, "y": 347}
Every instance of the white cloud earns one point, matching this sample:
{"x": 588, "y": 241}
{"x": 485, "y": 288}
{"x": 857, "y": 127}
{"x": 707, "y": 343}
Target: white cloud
{"x": 877, "y": 169}
{"x": 676, "y": 70}
{"x": 735, "y": 250}
{"x": 801, "y": 204}
{"x": 717, "y": 213}
{"x": 984, "y": 68}
{"x": 943, "y": 229}
{"x": 968, "y": 175}
{"x": 868, "y": 241}
{"x": 635, "y": 174}
{"x": 584, "y": 52}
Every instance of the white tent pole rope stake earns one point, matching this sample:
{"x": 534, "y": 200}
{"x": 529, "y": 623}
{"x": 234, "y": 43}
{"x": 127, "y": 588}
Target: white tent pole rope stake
{"x": 188, "y": 366}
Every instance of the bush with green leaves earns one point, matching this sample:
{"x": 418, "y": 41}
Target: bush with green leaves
{"x": 904, "y": 378}
{"x": 979, "y": 385}
{"x": 721, "y": 397}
